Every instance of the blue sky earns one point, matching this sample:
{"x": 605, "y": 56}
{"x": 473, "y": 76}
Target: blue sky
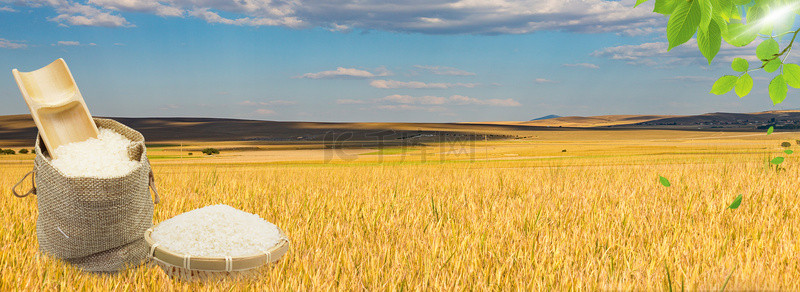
{"x": 410, "y": 61}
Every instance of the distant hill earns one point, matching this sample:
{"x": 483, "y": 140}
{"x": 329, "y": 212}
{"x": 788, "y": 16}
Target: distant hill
{"x": 546, "y": 117}
{"x": 20, "y": 129}
{"x": 788, "y": 119}
{"x": 785, "y": 119}
{"x": 594, "y": 121}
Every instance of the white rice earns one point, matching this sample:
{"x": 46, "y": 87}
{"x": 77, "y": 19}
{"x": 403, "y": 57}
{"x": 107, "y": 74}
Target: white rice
{"x": 103, "y": 157}
{"x": 216, "y": 231}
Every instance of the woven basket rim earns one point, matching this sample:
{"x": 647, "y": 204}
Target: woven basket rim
{"x": 216, "y": 264}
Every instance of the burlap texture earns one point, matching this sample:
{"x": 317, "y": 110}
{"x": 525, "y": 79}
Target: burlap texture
{"x": 96, "y": 224}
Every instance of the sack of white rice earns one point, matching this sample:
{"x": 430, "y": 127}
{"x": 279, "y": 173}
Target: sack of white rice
{"x": 212, "y": 241}
{"x": 94, "y": 203}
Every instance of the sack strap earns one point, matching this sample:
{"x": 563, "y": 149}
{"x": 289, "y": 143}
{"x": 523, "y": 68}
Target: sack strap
{"x": 30, "y": 174}
{"x": 152, "y": 187}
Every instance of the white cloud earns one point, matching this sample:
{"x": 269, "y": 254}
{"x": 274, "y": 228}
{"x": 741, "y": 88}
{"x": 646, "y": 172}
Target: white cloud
{"x": 85, "y": 15}
{"x": 264, "y": 111}
{"x": 583, "y": 65}
{"x": 406, "y": 107}
{"x": 443, "y": 70}
{"x": 656, "y": 54}
{"x": 543, "y": 80}
{"x": 277, "y": 102}
{"x": 345, "y": 73}
{"x": 351, "y": 101}
{"x": 212, "y": 17}
{"x": 460, "y": 99}
{"x": 144, "y": 6}
{"x": 398, "y": 99}
{"x": 339, "y": 27}
{"x": 73, "y": 44}
{"x": 8, "y": 44}
{"x": 7, "y": 9}
{"x": 408, "y": 16}
{"x": 392, "y": 84}
{"x": 69, "y": 43}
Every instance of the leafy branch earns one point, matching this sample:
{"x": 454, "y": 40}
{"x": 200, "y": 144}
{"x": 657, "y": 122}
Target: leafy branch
{"x": 738, "y": 23}
{"x": 785, "y": 50}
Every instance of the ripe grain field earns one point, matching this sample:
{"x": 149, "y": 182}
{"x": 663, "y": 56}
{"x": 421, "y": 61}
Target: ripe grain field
{"x": 503, "y": 215}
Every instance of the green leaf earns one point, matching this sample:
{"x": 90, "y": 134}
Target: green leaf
{"x": 664, "y": 181}
{"x": 791, "y": 73}
{"x": 754, "y": 15}
{"x": 724, "y": 8}
{"x": 788, "y": 152}
{"x": 683, "y": 23}
{"x": 638, "y": 2}
{"x": 743, "y": 85}
{"x": 705, "y": 14}
{"x": 736, "y": 202}
{"x": 772, "y": 65}
{"x": 722, "y": 23}
{"x": 739, "y": 34}
{"x": 769, "y": 131}
{"x": 777, "y": 89}
{"x": 665, "y": 6}
{"x": 742, "y": 2}
{"x": 767, "y": 49}
{"x": 777, "y": 160}
{"x": 724, "y": 84}
{"x": 740, "y": 65}
{"x": 709, "y": 40}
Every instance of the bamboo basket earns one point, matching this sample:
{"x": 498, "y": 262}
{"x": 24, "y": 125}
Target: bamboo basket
{"x": 187, "y": 268}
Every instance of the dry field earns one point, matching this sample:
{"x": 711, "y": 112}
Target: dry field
{"x": 499, "y": 215}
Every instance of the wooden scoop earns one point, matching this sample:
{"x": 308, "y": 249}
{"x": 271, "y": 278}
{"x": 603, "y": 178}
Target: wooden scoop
{"x": 56, "y": 105}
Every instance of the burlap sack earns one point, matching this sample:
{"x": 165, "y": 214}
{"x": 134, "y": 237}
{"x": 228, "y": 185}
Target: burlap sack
{"x": 96, "y": 224}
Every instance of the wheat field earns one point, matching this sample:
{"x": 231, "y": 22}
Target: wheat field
{"x": 502, "y": 215}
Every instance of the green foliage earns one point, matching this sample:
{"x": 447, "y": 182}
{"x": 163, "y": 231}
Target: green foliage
{"x": 735, "y": 204}
{"x": 7, "y": 151}
{"x": 740, "y": 65}
{"x": 739, "y": 34}
{"x": 708, "y": 39}
{"x": 743, "y": 85}
{"x": 767, "y": 49}
{"x": 664, "y": 181}
{"x": 739, "y": 23}
{"x": 23, "y": 151}
{"x": 777, "y": 160}
{"x": 791, "y": 73}
{"x": 786, "y": 145}
{"x": 210, "y": 151}
{"x": 772, "y": 65}
{"x": 724, "y": 84}
{"x": 777, "y": 89}
{"x": 788, "y": 152}
{"x": 771, "y": 128}
{"x": 683, "y": 23}
{"x": 669, "y": 277}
